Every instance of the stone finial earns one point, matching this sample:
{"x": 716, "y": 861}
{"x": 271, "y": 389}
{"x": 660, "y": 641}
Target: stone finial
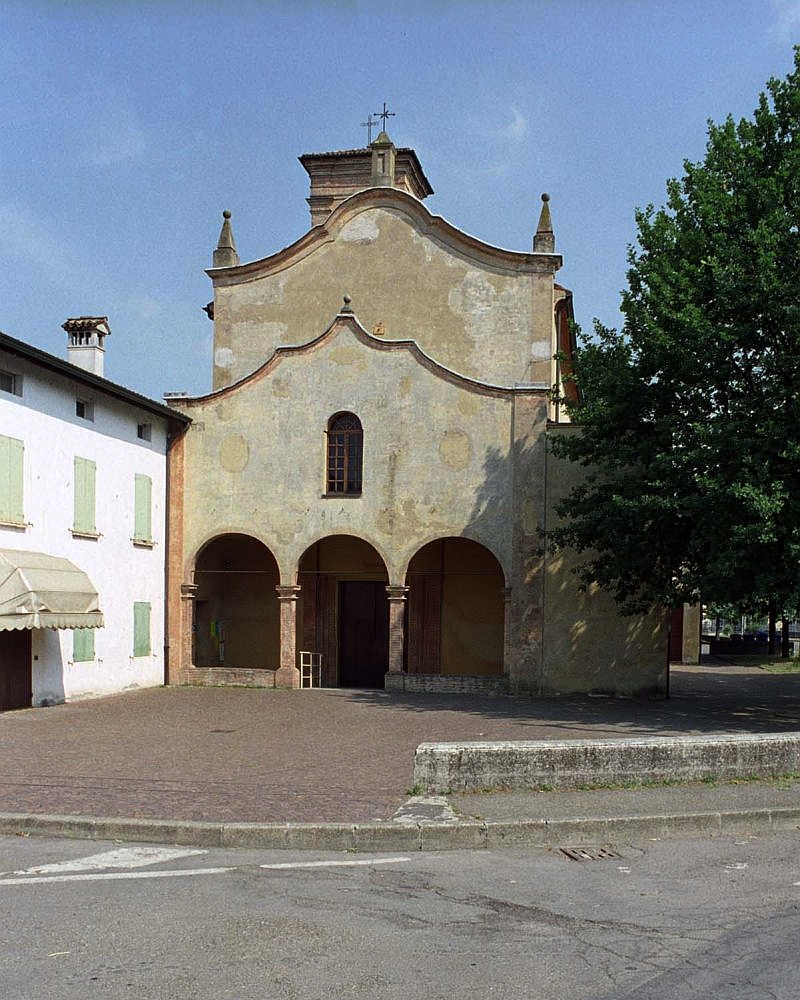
{"x": 225, "y": 254}
{"x": 544, "y": 240}
{"x": 346, "y": 307}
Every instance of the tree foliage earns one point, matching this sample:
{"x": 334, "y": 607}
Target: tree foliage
{"x": 690, "y": 415}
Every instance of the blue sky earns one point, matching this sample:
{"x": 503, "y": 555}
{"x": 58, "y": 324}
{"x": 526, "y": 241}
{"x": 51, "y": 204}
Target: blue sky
{"x": 128, "y": 127}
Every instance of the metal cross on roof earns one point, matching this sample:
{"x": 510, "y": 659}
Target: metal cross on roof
{"x": 368, "y": 125}
{"x": 384, "y": 115}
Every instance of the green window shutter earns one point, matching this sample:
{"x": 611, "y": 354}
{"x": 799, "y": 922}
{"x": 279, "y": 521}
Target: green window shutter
{"x": 143, "y": 507}
{"x": 85, "y": 474}
{"x": 141, "y": 628}
{"x": 12, "y": 453}
{"x": 82, "y": 644}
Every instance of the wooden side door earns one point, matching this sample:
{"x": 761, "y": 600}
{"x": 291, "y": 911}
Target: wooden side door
{"x": 16, "y": 682}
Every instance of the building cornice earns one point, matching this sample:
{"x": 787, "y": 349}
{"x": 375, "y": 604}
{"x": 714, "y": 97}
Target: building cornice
{"x": 347, "y": 319}
{"x": 433, "y": 226}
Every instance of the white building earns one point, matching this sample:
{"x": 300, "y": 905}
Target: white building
{"x": 82, "y": 524}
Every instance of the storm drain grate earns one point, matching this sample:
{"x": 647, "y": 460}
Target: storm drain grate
{"x": 589, "y": 853}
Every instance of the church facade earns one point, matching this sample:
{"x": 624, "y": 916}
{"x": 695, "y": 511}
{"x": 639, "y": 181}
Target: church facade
{"x": 369, "y": 479}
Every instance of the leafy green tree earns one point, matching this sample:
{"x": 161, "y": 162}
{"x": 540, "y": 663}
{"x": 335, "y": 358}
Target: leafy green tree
{"x": 690, "y": 415}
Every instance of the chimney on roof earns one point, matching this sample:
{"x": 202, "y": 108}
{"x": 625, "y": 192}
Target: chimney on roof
{"x": 85, "y": 336}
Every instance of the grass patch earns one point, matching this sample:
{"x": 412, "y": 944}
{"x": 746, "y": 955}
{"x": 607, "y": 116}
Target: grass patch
{"x": 779, "y": 780}
{"x": 781, "y": 666}
{"x": 757, "y": 661}
{"x": 610, "y": 786}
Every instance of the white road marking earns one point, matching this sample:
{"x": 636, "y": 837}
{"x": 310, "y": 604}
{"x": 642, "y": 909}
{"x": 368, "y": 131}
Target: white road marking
{"x": 334, "y": 864}
{"x": 109, "y": 876}
{"x": 88, "y": 869}
{"x": 123, "y": 857}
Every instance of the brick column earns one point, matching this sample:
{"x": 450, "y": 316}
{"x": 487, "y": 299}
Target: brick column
{"x": 397, "y": 605}
{"x": 287, "y": 675}
{"x": 506, "y": 630}
{"x": 186, "y": 659}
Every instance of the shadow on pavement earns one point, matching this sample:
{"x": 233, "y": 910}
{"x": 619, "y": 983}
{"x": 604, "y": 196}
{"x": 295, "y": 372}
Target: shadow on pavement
{"x": 710, "y": 698}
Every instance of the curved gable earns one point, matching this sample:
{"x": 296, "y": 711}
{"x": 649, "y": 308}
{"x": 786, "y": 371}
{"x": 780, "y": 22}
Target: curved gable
{"x": 447, "y": 236}
{"x": 347, "y": 322}
{"x": 477, "y": 310}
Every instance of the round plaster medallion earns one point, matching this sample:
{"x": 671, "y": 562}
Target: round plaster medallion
{"x": 455, "y": 449}
{"x": 234, "y": 453}
{"x": 223, "y": 357}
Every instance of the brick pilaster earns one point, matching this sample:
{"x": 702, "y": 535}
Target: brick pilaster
{"x": 397, "y": 605}
{"x": 288, "y": 674}
{"x": 188, "y": 596}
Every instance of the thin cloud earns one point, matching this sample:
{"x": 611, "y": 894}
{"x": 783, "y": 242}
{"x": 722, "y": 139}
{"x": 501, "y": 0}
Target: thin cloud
{"x": 517, "y": 129}
{"x": 507, "y": 144}
{"x": 28, "y": 240}
{"x": 787, "y": 21}
{"x": 121, "y": 142}
{"x": 146, "y": 307}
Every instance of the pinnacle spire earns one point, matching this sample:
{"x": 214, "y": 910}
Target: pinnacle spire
{"x": 544, "y": 240}
{"x": 225, "y": 254}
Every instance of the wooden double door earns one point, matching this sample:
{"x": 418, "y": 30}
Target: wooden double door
{"x": 363, "y": 633}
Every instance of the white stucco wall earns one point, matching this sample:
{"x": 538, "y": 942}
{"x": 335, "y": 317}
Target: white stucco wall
{"x": 44, "y": 418}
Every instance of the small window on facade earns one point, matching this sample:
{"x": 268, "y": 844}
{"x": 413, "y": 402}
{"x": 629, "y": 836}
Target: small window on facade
{"x": 12, "y": 458}
{"x": 345, "y": 454}
{"x": 144, "y": 432}
{"x": 141, "y": 628}
{"x": 11, "y": 382}
{"x": 82, "y": 645}
{"x": 84, "y": 409}
{"x": 84, "y": 522}
{"x": 143, "y": 510}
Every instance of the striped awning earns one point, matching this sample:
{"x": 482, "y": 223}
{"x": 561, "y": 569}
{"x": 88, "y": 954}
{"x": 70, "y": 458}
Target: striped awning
{"x": 43, "y": 591}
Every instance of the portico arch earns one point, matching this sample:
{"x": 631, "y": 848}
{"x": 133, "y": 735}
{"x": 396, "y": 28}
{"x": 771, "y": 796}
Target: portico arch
{"x": 236, "y": 609}
{"x": 344, "y": 610}
{"x": 456, "y": 610}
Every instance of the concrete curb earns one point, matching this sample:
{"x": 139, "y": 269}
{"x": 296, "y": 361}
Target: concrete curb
{"x": 390, "y": 836}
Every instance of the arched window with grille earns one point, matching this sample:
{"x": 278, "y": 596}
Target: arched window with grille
{"x": 345, "y": 454}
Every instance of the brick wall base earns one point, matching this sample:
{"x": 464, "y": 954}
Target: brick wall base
{"x": 229, "y": 676}
{"x": 447, "y": 684}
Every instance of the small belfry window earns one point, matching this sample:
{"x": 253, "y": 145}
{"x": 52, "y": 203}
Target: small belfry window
{"x": 345, "y": 452}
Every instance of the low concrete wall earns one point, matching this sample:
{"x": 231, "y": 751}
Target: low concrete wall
{"x": 560, "y": 764}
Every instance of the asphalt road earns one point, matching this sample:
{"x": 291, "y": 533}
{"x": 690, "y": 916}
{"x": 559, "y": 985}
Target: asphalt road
{"x": 682, "y": 919}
